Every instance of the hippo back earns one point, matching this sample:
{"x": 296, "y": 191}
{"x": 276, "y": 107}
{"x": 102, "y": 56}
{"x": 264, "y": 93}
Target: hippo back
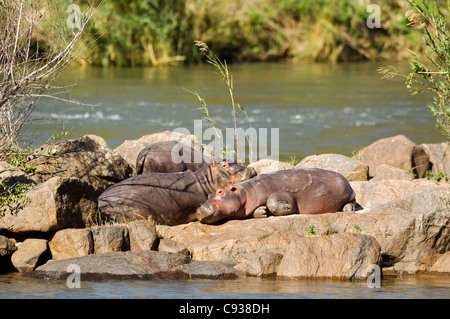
{"x": 169, "y": 157}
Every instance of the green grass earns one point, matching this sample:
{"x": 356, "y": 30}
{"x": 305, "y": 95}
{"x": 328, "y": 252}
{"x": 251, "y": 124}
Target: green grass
{"x": 155, "y": 33}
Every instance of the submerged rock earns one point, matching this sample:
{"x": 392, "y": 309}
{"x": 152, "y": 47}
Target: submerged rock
{"x": 144, "y": 264}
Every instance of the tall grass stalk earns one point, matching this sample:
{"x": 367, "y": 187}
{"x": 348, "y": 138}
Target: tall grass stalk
{"x": 222, "y": 70}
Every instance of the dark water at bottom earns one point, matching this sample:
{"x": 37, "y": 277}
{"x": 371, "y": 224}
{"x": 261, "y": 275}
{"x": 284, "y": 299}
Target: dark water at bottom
{"x": 17, "y": 286}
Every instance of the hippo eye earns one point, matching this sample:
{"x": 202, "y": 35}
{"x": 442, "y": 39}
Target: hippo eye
{"x": 233, "y": 189}
{"x": 224, "y": 165}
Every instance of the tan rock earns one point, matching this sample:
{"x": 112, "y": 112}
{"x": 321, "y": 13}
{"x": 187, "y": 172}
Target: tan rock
{"x": 385, "y": 171}
{"x": 351, "y": 169}
{"x": 142, "y": 235}
{"x": 340, "y": 256}
{"x": 172, "y": 246}
{"x": 110, "y": 238}
{"x": 27, "y": 257}
{"x": 56, "y": 204}
{"x": 71, "y": 243}
{"x": 442, "y": 265}
{"x": 397, "y": 151}
{"x": 89, "y": 159}
{"x": 265, "y": 166}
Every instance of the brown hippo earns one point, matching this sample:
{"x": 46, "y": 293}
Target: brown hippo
{"x": 292, "y": 191}
{"x": 169, "y": 198}
{"x": 169, "y": 157}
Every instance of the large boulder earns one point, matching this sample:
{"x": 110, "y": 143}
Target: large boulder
{"x": 340, "y": 256}
{"x": 56, "y": 204}
{"x": 29, "y": 254}
{"x": 397, "y": 151}
{"x": 413, "y": 230}
{"x": 351, "y": 169}
{"x": 376, "y": 192}
{"x": 89, "y": 159}
{"x": 130, "y": 149}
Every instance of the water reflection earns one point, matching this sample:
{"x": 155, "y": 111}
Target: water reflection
{"x": 425, "y": 286}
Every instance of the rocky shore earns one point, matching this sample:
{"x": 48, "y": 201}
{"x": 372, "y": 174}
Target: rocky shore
{"x": 402, "y": 223}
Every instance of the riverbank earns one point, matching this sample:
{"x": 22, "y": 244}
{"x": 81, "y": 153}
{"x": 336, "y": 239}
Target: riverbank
{"x": 402, "y": 225}
{"x": 139, "y": 34}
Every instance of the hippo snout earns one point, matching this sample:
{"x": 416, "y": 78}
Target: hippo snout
{"x": 207, "y": 214}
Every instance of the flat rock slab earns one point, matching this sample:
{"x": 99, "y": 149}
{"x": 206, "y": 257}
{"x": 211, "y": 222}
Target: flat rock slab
{"x": 143, "y": 264}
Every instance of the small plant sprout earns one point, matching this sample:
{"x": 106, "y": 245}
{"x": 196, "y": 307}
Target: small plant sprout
{"x": 311, "y": 230}
{"x": 358, "y": 229}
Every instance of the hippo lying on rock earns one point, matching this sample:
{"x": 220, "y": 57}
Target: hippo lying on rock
{"x": 169, "y": 198}
{"x": 169, "y": 157}
{"x": 292, "y": 191}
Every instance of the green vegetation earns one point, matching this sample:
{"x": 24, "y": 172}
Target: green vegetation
{"x": 159, "y": 32}
{"x": 439, "y": 177}
{"x": 13, "y": 197}
{"x": 311, "y": 230}
{"x": 432, "y": 72}
{"x": 358, "y": 229}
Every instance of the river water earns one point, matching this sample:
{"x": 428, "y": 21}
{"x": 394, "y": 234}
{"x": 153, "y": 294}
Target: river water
{"x": 317, "y": 108}
{"x": 425, "y": 286}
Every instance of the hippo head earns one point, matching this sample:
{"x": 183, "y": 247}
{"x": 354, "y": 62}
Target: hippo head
{"x": 224, "y": 173}
{"x": 226, "y": 203}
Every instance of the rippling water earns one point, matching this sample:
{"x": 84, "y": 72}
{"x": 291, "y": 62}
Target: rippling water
{"x": 318, "y": 108}
{"x": 424, "y": 286}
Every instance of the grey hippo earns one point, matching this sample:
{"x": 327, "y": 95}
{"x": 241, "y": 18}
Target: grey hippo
{"x": 169, "y": 198}
{"x": 292, "y": 191}
{"x": 169, "y": 157}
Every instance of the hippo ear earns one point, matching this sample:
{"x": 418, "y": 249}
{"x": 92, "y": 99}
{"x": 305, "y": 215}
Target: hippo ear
{"x": 213, "y": 168}
{"x": 230, "y": 184}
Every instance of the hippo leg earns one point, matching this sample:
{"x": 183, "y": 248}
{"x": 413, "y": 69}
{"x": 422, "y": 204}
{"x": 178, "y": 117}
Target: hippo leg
{"x": 280, "y": 205}
{"x": 260, "y": 212}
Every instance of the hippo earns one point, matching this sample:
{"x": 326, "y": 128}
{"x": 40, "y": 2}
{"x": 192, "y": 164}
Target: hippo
{"x": 169, "y": 198}
{"x": 291, "y": 191}
{"x": 169, "y": 157}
